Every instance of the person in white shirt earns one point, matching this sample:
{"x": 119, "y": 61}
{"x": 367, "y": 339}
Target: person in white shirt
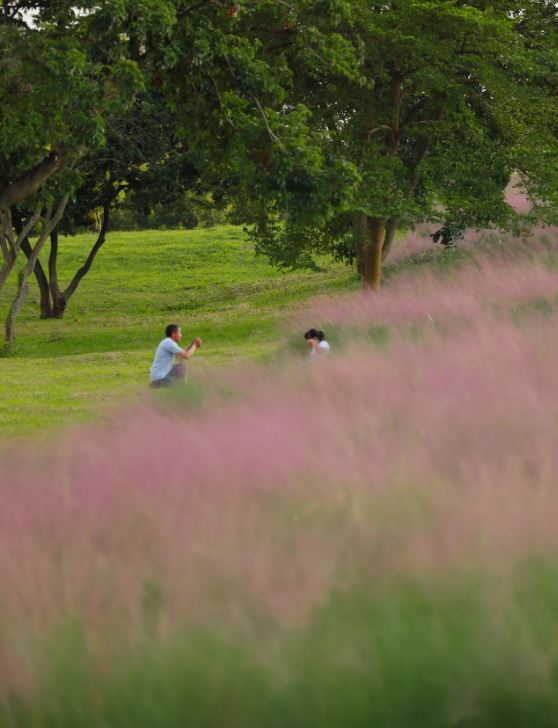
{"x": 317, "y": 343}
{"x": 164, "y": 371}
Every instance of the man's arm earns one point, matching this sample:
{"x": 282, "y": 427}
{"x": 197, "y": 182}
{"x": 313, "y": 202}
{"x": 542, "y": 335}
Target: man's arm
{"x": 187, "y": 353}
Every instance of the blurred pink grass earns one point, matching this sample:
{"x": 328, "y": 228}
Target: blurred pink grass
{"x": 418, "y": 241}
{"x": 512, "y": 273}
{"x": 416, "y": 459}
{"x": 516, "y": 196}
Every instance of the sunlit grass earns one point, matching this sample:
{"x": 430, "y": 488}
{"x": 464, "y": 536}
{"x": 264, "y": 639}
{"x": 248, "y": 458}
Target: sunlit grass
{"x": 208, "y": 280}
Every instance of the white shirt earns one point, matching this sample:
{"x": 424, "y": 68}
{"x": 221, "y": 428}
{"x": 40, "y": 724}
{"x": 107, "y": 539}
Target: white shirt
{"x": 164, "y": 359}
{"x": 322, "y": 345}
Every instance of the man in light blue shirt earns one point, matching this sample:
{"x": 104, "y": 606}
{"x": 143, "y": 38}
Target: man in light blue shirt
{"x": 163, "y": 370}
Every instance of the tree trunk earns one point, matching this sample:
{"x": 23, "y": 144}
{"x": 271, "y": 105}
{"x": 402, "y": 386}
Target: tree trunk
{"x": 59, "y": 307}
{"x": 30, "y": 181}
{"x": 6, "y": 268}
{"x": 359, "y": 236}
{"x": 53, "y": 300}
{"x": 42, "y": 282}
{"x": 373, "y": 253}
{"x": 40, "y": 276}
{"x": 22, "y": 288}
{"x": 4, "y": 245}
{"x": 62, "y": 297}
{"x": 58, "y": 299}
{"x": 370, "y": 233}
{"x": 391, "y": 229}
{"x": 11, "y": 243}
{"x": 23, "y": 279}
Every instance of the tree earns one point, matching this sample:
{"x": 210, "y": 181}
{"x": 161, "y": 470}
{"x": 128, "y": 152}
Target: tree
{"x": 141, "y": 155}
{"x": 49, "y": 221}
{"x": 48, "y": 90}
{"x": 124, "y": 46}
{"x": 414, "y": 111}
{"x": 67, "y": 69}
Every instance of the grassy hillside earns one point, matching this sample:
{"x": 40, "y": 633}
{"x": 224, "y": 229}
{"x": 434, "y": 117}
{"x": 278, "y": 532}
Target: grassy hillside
{"x": 208, "y": 280}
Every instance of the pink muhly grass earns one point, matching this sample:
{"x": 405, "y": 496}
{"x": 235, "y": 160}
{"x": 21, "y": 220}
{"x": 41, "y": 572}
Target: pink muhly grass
{"x": 418, "y": 242}
{"x": 413, "y": 243}
{"x": 318, "y": 477}
{"x": 516, "y": 196}
{"x": 429, "y": 297}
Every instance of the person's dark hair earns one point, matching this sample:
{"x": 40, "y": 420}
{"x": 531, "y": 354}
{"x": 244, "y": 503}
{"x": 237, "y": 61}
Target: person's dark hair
{"x": 314, "y": 334}
{"x": 171, "y": 328}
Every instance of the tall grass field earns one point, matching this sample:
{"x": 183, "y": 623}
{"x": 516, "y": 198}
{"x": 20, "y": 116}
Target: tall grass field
{"x": 365, "y": 539}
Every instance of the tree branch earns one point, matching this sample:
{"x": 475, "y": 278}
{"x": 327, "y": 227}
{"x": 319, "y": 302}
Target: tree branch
{"x": 91, "y": 257}
{"x": 4, "y": 245}
{"x": 53, "y": 265}
{"x": 15, "y": 242}
{"x": 424, "y": 147}
{"x": 376, "y": 129}
{"x": 270, "y": 131}
{"x": 30, "y": 181}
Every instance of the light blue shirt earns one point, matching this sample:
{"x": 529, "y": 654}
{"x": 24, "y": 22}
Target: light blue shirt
{"x": 164, "y": 359}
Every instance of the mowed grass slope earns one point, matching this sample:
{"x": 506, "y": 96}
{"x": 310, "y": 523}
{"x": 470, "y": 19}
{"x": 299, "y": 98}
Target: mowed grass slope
{"x": 208, "y": 280}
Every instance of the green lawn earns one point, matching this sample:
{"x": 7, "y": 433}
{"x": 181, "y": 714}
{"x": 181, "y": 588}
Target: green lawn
{"x": 208, "y": 280}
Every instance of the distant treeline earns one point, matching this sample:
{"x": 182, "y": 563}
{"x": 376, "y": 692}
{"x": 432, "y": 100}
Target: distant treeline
{"x": 189, "y": 212}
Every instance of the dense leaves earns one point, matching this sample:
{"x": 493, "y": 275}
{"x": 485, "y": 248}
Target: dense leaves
{"x": 399, "y": 112}
{"x": 327, "y": 123}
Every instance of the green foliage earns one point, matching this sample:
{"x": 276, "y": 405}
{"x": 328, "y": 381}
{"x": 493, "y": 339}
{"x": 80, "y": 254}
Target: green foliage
{"x": 409, "y": 111}
{"x": 189, "y": 210}
{"x": 299, "y": 114}
{"x": 140, "y": 165}
{"x": 69, "y": 72}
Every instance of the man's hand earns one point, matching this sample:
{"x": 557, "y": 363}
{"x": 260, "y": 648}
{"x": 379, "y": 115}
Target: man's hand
{"x": 187, "y": 353}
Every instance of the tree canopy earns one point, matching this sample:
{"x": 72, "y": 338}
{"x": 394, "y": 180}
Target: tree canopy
{"x": 378, "y": 115}
{"x": 328, "y": 124}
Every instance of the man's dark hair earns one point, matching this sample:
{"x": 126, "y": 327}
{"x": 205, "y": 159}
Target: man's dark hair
{"x": 171, "y": 328}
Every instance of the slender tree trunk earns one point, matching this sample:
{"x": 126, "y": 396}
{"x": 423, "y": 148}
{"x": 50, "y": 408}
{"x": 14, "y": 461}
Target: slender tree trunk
{"x": 4, "y": 245}
{"x": 6, "y": 268}
{"x": 60, "y": 298}
{"x": 11, "y": 243}
{"x": 59, "y": 301}
{"x": 42, "y": 282}
{"x": 15, "y": 308}
{"x": 40, "y": 276}
{"x": 53, "y": 300}
{"x": 50, "y": 222}
{"x": 59, "y": 307}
